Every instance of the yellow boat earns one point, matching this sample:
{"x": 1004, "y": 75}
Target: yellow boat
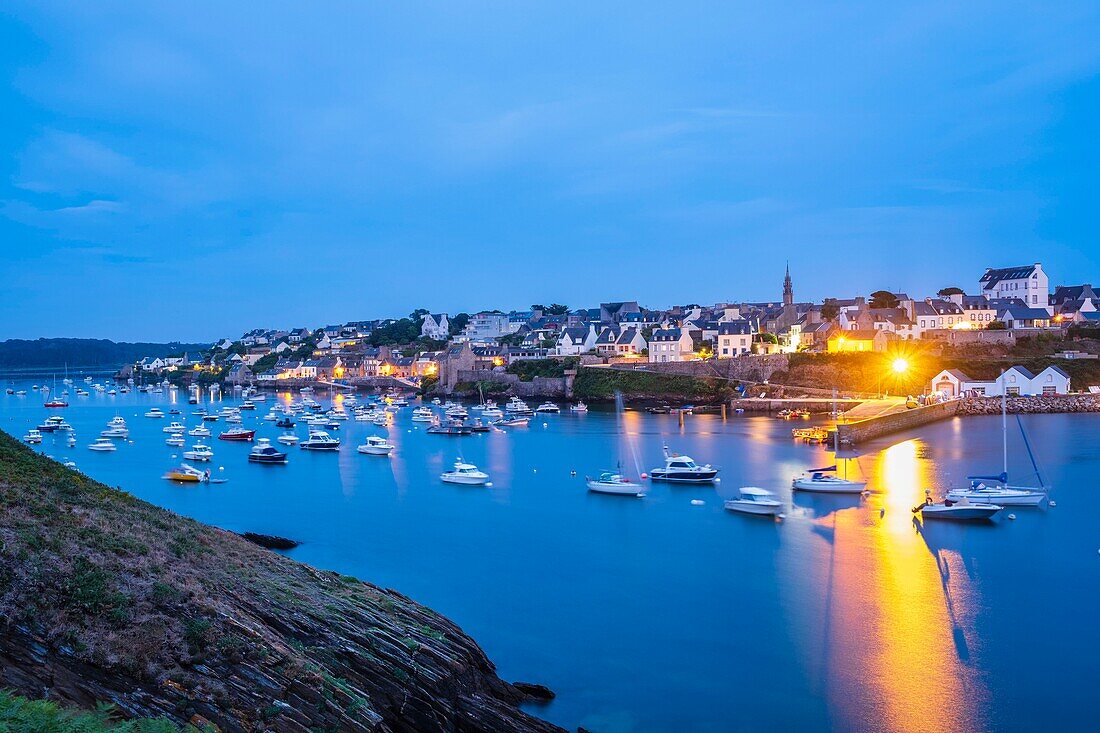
{"x": 187, "y": 474}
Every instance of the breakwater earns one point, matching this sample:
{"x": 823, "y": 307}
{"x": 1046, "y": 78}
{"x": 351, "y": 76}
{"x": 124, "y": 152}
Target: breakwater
{"x": 1030, "y": 405}
{"x": 877, "y": 427}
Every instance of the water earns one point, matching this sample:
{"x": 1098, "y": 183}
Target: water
{"x": 654, "y": 614}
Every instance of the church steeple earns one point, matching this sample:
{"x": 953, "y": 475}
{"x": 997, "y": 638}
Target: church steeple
{"x": 788, "y": 288}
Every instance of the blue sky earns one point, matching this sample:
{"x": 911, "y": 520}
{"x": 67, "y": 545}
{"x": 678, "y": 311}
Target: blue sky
{"x": 187, "y": 170}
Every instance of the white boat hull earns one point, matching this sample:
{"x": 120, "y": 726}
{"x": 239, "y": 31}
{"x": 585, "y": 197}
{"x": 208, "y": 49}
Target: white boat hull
{"x": 754, "y": 507}
{"x": 620, "y": 489}
{"x": 371, "y": 450}
{"x": 465, "y": 480}
{"x": 829, "y": 486}
{"x": 1012, "y": 497}
{"x": 960, "y": 511}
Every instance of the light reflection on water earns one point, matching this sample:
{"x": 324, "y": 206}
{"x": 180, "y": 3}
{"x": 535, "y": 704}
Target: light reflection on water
{"x": 648, "y": 615}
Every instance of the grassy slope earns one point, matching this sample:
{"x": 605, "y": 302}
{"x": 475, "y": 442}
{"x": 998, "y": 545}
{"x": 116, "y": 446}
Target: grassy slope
{"x": 42, "y": 716}
{"x": 104, "y": 597}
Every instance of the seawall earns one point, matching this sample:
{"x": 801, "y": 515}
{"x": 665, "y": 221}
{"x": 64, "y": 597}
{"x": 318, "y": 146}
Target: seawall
{"x": 1030, "y": 405}
{"x": 860, "y": 432}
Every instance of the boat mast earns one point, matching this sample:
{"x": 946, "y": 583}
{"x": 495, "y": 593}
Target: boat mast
{"x": 1004, "y": 427}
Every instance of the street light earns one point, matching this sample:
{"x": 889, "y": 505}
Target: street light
{"x": 900, "y": 366}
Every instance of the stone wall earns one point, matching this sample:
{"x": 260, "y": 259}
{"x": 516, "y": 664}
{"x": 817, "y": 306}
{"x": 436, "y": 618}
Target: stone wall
{"x": 749, "y": 367}
{"x": 537, "y": 387}
{"x": 1048, "y": 404}
{"x": 876, "y": 427}
{"x": 958, "y": 336}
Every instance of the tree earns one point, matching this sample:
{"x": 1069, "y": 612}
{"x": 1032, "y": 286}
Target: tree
{"x": 458, "y": 323}
{"x": 948, "y": 292}
{"x": 830, "y": 311}
{"x": 556, "y": 309}
{"x": 996, "y": 326}
{"x": 883, "y": 299}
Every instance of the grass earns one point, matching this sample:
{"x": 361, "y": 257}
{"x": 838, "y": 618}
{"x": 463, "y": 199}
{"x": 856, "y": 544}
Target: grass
{"x": 42, "y": 716}
{"x": 602, "y": 384}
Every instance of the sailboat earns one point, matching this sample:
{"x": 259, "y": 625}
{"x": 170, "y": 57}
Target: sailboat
{"x": 998, "y": 490}
{"x": 823, "y": 481}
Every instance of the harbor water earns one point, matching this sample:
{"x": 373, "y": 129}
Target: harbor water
{"x": 669, "y": 612}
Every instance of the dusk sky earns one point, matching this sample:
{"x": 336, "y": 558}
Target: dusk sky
{"x": 183, "y": 171}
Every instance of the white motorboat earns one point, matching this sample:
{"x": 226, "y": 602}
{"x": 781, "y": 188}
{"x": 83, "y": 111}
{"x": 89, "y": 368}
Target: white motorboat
{"x": 102, "y": 444}
{"x": 963, "y": 510}
{"x": 420, "y": 414}
{"x": 199, "y": 431}
{"x": 579, "y": 407}
{"x": 174, "y": 440}
{"x": 72, "y": 440}
{"x": 547, "y": 407}
{"x": 376, "y": 446}
{"x": 681, "y": 469}
{"x": 516, "y": 406}
{"x": 492, "y": 413}
{"x": 754, "y": 500}
{"x": 198, "y": 452}
{"x": 611, "y": 482}
{"x": 320, "y": 440}
{"x": 115, "y": 432}
{"x": 117, "y": 422}
{"x": 174, "y": 427}
{"x": 33, "y": 437}
{"x": 155, "y": 412}
{"x": 287, "y": 439}
{"x": 466, "y": 474}
{"x": 458, "y": 412}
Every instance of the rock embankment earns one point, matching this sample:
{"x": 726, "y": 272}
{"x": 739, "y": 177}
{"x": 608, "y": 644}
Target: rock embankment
{"x": 1024, "y": 405}
{"x": 105, "y": 598}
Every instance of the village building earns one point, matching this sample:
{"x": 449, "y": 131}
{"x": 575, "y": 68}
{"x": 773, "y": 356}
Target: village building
{"x": 1027, "y": 282}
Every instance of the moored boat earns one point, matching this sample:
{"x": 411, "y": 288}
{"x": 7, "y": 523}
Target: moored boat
{"x": 187, "y": 474}
{"x": 612, "y": 482}
{"x": 754, "y": 500}
{"x": 238, "y": 434}
{"x": 320, "y": 440}
{"x": 466, "y": 474}
{"x": 682, "y": 469}
{"x": 265, "y": 452}
{"x": 376, "y": 446}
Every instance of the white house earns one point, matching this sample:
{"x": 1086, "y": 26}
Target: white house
{"x": 671, "y": 344}
{"x": 1027, "y": 282}
{"x": 1017, "y": 317}
{"x": 574, "y": 341}
{"x": 1019, "y": 381}
{"x": 734, "y": 338}
{"x": 436, "y": 326}
{"x": 488, "y": 326}
{"x": 949, "y": 383}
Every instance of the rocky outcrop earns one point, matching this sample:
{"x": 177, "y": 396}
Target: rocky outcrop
{"x": 104, "y": 598}
{"x": 1039, "y": 404}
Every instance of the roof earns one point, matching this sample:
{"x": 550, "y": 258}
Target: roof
{"x": 667, "y": 334}
{"x": 607, "y": 336}
{"x": 958, "y": 375}
{"x": 862, "y": 334}
{"x": 627, "y": 336}
{"x": 575, "y": 334}
{"x": 734, "y": 328}
{"x": 936, "y": 307}
{"x": 994, "y": 276}
{"x": 1023, "y": 313}
{"x": 1021, "y": 370}
{"x": 1057, "y": 370}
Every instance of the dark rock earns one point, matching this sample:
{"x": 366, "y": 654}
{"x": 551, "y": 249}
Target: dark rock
{"x": 269, "y": 541}
{"x": 534, "y": 691}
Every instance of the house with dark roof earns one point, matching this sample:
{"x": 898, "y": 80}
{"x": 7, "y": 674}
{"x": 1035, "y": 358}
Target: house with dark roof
{"x": 842, "y": 341}
{"x": 436, "y": 326}
{"x": 1021, "y": 317}
{"x": 1018, "y": 381}
{"x": 734, "y": 338}
{"x": 1027, "y": 282}
{"x": 615, "y": 312}
{"x": 671, "y": 344}
{"x": 576, "y": 340}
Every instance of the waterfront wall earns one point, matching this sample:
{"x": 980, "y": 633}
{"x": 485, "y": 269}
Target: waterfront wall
{"x": 748, "y": 367}
{"x": 775, "y": 405}
{"x": 1035, "y": 405}
{"x": 537, "y": 387}
{"x": 877, "y": 427}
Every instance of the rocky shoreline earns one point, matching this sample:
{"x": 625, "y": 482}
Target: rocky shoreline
{"x": 1029, "y": 405}
{"x": 107, "y": 599}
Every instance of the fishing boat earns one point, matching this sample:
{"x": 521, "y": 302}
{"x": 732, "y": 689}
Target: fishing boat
{"x": 320, "y": 440}
{"x": 198, "y": 452}
{"x": 754, "y": 500}
{"x": 174, "y": 427}
{"x": 199, "y": 431}
{"x": 466, "y": 474}
{"x": 681, "y": 469}
{"x": 450, "y": 427}
{"x": 102, "y": 444}
{"x": 265, "y": 452}
{"x": 613, "y": 482}
{"x": 579, "y": 407}
{"x": 238, "y": 434}
{"x": 963, "y": 510}
{"x": 547, "y": 407}
{"x": 33, "y": 437}
{"x": 187, "y": 474}
{"x": 376, "y": 446}
{"x": 997, "y": 489}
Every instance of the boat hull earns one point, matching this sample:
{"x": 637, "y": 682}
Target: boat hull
{"x": 373, "y": 451}
{"x": 968, "y": 512}
{"x": 770, "y": 508}
{"x": 829, "y": 487}
{"x": 464, "y": 480}
{"x": 616, "y": 489}
{"x": 683, "y": 477}
{"x": 279, "y": 459}
{"x": 1023, "y": 498}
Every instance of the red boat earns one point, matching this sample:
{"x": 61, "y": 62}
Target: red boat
{"x": 238, "y": 434}
{"x": 56, "y": 403}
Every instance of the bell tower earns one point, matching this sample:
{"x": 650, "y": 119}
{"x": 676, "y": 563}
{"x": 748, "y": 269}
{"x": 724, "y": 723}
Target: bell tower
{"x": 788, "y": 288}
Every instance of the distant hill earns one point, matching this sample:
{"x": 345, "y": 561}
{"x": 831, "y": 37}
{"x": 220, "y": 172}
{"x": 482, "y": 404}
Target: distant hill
{"x": 81, "y": 353}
